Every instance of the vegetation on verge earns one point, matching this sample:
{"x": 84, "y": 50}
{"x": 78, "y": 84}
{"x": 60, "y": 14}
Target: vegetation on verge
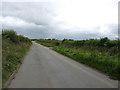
{"x": 101, "y": 54}
{"x": 14, "y": 47}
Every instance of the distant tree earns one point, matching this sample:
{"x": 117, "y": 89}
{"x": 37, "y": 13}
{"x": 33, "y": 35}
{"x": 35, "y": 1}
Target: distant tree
{"x": 104, "y": 41}
{"x": 64, "y": 40}
{"x": 49, "y": 39}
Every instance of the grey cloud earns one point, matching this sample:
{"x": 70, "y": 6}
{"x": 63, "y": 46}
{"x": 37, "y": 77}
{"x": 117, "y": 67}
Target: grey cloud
{"x": 113, "y": 28}
{"x": 41, "y": 15}
{"x": 112, "y": 31}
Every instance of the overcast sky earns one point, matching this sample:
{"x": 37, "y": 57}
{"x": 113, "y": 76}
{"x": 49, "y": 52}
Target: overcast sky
{"x": 73, "y": 19}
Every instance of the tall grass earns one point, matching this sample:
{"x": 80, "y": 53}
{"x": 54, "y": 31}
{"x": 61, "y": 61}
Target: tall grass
{"x": 14, "y": 48}
{"x": 101, "y": 54}
{"x": 106, "y": 64}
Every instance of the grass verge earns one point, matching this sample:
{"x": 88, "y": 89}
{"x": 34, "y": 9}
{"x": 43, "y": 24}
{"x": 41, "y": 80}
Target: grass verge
{"x": 103, "y": 56}
{"x": 108, "y": 65}
{"x": 12, "y": 54}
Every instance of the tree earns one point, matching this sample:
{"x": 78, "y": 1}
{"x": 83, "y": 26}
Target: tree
{"x": 104, "y": 41}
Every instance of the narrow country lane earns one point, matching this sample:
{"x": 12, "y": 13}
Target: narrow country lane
{"x": 44, "y": 68}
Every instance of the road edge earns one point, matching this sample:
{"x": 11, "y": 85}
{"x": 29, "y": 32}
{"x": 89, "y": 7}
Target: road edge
{"x": 15, "y": 72}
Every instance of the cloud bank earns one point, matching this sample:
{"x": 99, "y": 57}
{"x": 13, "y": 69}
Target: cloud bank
{"x": 56, "y": 20}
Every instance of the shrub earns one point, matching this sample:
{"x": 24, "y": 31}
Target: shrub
{"x": 104, "y": 41}
{"x": 23, "y": 39}
{"x": 11, "y": 35}
{"x": 14, "y": 48}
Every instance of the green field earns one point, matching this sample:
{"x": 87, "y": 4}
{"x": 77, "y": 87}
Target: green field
{"x": 14, "y": 48}
{"x": 101, "y": 54}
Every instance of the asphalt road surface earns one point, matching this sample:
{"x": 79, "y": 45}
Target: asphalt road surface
{"x": 45, "y": 68}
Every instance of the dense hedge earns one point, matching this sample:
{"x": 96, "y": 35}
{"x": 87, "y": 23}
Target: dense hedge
{"x": 14, "y": 48}
{"x": 12, "y": 35}
{"x": 101, "y": 45}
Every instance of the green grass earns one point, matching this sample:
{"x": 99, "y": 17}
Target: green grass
{"x": 108, "y": 65}
{"x": 12, "y": 54}
{"x": 95, "y": 55}
{"x": 46, "y": 44}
